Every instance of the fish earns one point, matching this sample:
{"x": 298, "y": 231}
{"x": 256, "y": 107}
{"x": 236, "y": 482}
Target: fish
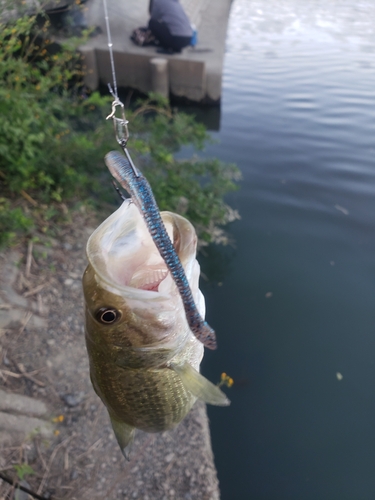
{"x": 144, "y": 358}
{"x": 141, "y": 193}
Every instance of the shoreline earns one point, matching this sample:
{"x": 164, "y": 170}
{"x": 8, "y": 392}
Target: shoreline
{"x": 43, "y": 357}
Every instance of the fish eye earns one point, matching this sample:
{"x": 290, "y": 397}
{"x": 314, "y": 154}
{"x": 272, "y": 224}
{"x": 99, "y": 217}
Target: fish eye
{"x": 107, "y": 315}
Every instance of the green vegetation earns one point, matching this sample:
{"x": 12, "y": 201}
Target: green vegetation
{"x": 53, "y": 139}
{"x": 193, "y": 187}
{"x": 23, "y": 470}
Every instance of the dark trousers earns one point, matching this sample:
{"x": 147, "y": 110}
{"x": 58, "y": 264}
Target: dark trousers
{"x": 165, "y": 37}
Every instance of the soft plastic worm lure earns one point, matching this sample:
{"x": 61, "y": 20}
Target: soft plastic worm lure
{"x": 141, "y": 193}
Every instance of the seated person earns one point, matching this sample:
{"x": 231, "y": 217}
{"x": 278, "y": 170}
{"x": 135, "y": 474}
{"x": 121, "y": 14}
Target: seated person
{"x": 170, "y": 25}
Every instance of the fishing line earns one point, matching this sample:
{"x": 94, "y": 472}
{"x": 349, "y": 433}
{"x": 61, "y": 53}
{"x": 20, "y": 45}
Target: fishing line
{"x": 110, "y": 47}
{"x": 120, "y": 124}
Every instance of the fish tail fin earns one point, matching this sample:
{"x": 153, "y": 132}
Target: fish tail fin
{"x": 124, "y": 434}
{"x": 199, "y": 386}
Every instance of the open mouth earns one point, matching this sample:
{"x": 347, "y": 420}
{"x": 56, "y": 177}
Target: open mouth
{"x": 148, "y": 278}
{"x": 123, "y": 252}
{"x": 127, "y": 263}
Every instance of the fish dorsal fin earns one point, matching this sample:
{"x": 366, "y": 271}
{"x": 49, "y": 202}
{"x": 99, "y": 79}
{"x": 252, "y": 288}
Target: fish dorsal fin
{"x": 124, "y": 434}
{"x": 199, "y": 386}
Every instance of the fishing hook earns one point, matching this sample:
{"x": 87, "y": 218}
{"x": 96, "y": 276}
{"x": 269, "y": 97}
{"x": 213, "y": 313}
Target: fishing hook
{"x": 121, "y": 195}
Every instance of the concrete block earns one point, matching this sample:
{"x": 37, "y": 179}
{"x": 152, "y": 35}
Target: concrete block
{"x": 91, "y": 79}
{"x": 159, "y": 76}
{"x": 22, "y": 427}
{"x": 192, "y": 86}
{"x": 16, "y": 403}
{"x": 194, "y": 74}
{"x": 214, "y": 86}
{"x": 132, "y": 70}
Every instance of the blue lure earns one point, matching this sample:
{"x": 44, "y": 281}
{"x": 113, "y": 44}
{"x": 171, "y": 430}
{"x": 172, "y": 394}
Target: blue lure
{"x": 141, "y": 193}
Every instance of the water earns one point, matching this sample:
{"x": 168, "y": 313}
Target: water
{"x": 293, "y": 302}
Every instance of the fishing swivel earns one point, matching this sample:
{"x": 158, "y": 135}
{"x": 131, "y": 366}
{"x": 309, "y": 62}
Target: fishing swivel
{"x": 120, "y": 125}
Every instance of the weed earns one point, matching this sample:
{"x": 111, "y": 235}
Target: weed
{"x": 23, "y": 470}
{"x": 53, "y": 138}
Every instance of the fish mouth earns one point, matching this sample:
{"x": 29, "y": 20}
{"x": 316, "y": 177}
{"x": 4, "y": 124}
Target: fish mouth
{"x": 149, "y": 277}
{"x": 125, "y": 258}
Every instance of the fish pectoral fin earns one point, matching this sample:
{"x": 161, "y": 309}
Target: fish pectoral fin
{"x": 124, "y": 434}
{"x": 199, "y": 386}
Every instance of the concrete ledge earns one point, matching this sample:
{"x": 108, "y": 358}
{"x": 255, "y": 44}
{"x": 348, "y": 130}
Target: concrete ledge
{"x": 23, "y": 426}
{"x": 160, "y": 76}
{"x": 132, "y": 70}
{"x": 174, "y": 465}
{"x": 89, "y": 62}
{"x": 193, "y": 86}
{"x": 195, "y": 74}
{"x": 16, "y": 403}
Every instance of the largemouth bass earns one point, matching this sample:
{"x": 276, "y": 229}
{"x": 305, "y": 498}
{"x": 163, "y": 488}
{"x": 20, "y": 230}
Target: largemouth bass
{"x": 144, "y": 358}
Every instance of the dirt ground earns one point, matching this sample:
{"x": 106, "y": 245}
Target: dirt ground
{"x": 73, "y": 453}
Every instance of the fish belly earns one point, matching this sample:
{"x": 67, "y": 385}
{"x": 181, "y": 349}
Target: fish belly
{"x": 152, "y": 400}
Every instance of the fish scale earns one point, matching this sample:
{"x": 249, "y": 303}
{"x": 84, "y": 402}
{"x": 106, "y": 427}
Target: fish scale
{"x": 141, "y": 193}
{"x": 160, "y": 403}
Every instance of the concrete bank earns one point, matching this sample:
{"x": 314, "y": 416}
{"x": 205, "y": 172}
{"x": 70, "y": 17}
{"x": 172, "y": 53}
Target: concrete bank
{"x": 195, "y": 74}
{"x": 44, "y": 373}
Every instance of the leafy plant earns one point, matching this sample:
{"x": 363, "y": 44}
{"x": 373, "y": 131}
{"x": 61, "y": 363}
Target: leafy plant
{"x": 193, "y": 187}
{"x": 53, "y": 138}
{"x": 42, "y": 145}
{"x": 12, "y": 221}
{"x": 50, "y": 134}
{"x": 22, "y": 470}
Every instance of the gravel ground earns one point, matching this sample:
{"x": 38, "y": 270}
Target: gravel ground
{"x": 44, "y": 373}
